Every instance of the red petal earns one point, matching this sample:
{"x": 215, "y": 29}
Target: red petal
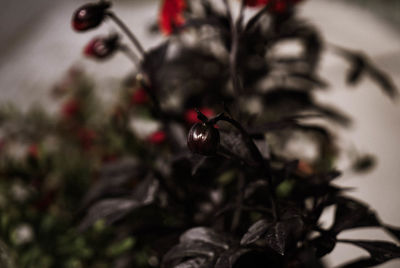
{"x": 171, "y": 15}
{"x": 140, "y": 97}
{"x": 278, "y": 6}
{"x": 191, "y": 115}
{"x": 33, "y": 151}
{"x": 157, "y": 137}
{"x": 86, "y": 137}
{"x": 255, "y": 3}
{"x": 70, "y": 109}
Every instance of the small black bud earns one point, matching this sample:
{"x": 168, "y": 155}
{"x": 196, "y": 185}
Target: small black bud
{"x": 89, "y": 16}
{"x": 101, "y": 47}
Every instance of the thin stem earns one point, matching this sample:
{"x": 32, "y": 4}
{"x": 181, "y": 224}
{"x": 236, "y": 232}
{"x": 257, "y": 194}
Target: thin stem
{"x": 235, "y": 34}
{"x": 239, "y": 202}
{"x": 154, "y": 99}
{"x": 258, "y": 157}
{"x": 228, "y": 10}
{"x": 128, "y": 32}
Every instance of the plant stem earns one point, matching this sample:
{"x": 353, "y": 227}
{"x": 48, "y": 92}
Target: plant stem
{"x": 239, "y": 202}
{"x": 258, "y": 157}
{"x": 235, "y": 34}
{"x": 154, "y": 99}
{"x": 128, "y": 32}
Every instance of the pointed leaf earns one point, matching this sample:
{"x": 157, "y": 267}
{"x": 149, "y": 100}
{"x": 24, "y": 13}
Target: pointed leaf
{"x": 205, "y": 235}
{"x": 255, "y": 232}
{"x": 351, "y": 213}
{"x": 195, "y": 263}
{"x": 380, "y": 251}
{"x": 393, "y": 231}
{"x": 361, "y": 263}
{"x": 113, "y": 209}
{"x": 324, "y": 244}
{"x": 109, "y": 210}
{"x": 276, "y": 238}
{"x": 192, "y": 249}
{"x": 113, "y": 178}
{"x": 228, "y": 258}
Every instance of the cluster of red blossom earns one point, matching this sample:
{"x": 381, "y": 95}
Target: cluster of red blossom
{"x": 90, "y": 16}
{"x": 70, "y": 112}
{"x": 171, "y": 15}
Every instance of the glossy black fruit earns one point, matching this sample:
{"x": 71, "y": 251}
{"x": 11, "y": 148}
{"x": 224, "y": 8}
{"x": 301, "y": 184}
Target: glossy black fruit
{"x": 203, "y": 139}
{"x": 89, "y": 16}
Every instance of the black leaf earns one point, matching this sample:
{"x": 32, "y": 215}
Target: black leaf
{"x": 276, "y": 238}
{"x": 109, "y": 210}
{"x": 361, "y": 64}
{"x": 205, "y": 235}
{"x": 310, "y": 78}
{"x": 361, "y": 263}
{"x": 358, "y": 66}
{"x": 324, "y": 244}
{"x": 298, "y": 101}
{"x": 255, "y": 232}
{"x": 380, "y": 251}
{"x": 113, "y": 179}
{"x": 189, "y": 250}
{"x": 234, "y": 142}
{"x": 230, "y": 257}
{"x": 351, "y": 213}
{"x": 194, "y": 263}
{"x": 364, "y": 163}
{"x": 383, "y": 80}
{"x": 324, "y": 178}
{"x": 284, "y": 233}
{"x": 275, "y": 235}
{"x": 199, "y": 247}
{"x": 113, "y": 209}
{"x": 257, "y": 259}
{"x": 153, "y": 62}
{"x": 395, "y": 232}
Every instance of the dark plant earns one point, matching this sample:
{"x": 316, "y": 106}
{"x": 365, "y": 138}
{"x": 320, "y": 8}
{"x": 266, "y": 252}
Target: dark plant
{"x": 216, "y": 184}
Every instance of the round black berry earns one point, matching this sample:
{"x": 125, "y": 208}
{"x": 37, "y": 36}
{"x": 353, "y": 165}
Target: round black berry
{"x": 203, "y": 139}
{"x": 89, "y": 16}
{"x": 101, "y": 47}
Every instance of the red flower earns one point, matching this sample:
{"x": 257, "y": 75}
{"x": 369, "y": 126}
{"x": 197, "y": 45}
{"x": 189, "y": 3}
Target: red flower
{"x": 140, "y": 97}
{"x": 86, "y": 137}
{"x": 277, "y": 6}
{"x": 70, "y": 109}
{"x": 171, "y": 15}
{"x": 157, "y": 137}
{"x": 33, "y": 151}
{"x": 191, "y": 115}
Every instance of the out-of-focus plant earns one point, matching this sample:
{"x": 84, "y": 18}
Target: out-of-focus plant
{"x": 216, "y": 153}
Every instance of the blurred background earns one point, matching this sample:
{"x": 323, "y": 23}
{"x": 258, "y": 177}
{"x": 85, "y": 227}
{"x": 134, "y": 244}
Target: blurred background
{"x": 38, "y": 46}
